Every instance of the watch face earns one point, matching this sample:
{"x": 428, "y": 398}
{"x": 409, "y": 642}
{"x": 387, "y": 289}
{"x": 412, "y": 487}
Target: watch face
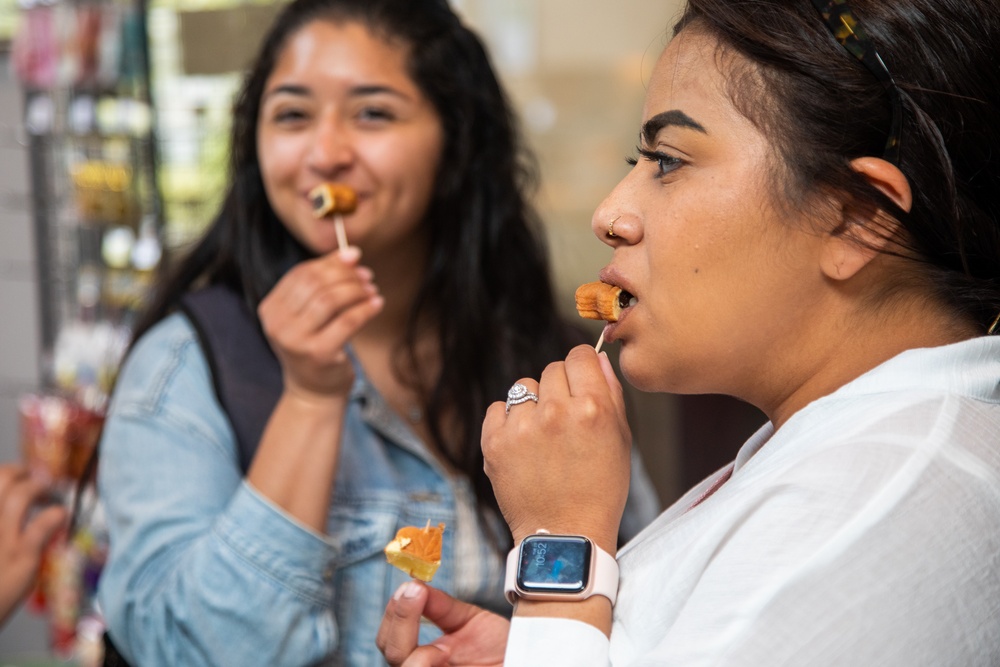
{"x": 554, "y": 564}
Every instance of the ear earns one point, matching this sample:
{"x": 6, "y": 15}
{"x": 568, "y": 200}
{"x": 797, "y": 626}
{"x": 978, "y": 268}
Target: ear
{"x": 887, "y": 178}
{"x": 856, "y": 241}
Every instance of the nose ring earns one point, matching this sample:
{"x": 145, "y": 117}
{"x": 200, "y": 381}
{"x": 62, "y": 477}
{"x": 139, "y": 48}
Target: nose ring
{"x": 611, "y": 227}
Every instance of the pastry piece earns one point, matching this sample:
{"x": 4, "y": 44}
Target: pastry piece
{"x": 599, "y": 301}
{"x": 416, "y": 551}
{"x": 329, "y": 198}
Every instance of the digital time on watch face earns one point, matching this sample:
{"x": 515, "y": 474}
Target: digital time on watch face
{"x": 554, "y": 564}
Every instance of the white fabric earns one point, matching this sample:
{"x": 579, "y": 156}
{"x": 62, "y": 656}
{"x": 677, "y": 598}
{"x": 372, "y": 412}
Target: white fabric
{"x": 865, "y": 531}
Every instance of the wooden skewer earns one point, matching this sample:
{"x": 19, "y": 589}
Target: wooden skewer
{"x": 338, "y": 225}
{"x": 600, "y": 342}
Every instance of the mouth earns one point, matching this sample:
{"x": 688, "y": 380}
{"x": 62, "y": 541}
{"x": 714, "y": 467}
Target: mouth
{"x": 626, "y": 299}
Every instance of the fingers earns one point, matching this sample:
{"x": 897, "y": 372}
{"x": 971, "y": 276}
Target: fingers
{"x": 591, "y": 374}
{"x": 10, "y": 474}
{"x": 44, "y": 526}
{"x": 21, "y": 493}
{"x": 310, "y": 317}
{"x": 471, "y": 635}
{"x": 446, "y": 612}
{"x": 398, "y": 634}
{"x": 583, "y": 374}
{"x": 297, "y": 288}
{"x": 317, "y": 293}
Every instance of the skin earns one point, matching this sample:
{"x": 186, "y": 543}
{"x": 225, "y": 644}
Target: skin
{"x": 735, "y": 294}
{"x": 23, "y": 539}
{"x": 339, "y": 106}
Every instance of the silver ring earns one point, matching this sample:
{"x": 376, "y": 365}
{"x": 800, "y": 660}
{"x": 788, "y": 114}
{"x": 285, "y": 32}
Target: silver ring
{"x": 519, "y": 394}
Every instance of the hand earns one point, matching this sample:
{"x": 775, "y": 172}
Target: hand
{"x": 22, "y": 540}
{"x": 310, "y": 316}
{"x": 563, "y": 463}
{"x": 473, "y": 636}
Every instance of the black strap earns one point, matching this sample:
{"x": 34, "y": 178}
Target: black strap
{"x": 112, "y": 658}
{"x": 245, "y": 372}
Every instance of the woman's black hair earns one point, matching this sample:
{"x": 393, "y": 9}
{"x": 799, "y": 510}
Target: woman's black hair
{"x": 822, "y": 108}
{"x": 487, "y": 284}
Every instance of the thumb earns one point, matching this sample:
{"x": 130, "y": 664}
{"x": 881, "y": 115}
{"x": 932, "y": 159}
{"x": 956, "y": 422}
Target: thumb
{"x": 43, "y": 526}
{"x": 614, "y": 384}
{"x": 398, "y": 635}
{"x": 446, "y": 612}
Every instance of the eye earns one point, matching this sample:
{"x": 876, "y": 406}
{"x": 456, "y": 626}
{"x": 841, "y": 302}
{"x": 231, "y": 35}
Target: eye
{"x": 288, "y": 116}
{"x": 664, "y": 163}
{"x": 376, "y": 114}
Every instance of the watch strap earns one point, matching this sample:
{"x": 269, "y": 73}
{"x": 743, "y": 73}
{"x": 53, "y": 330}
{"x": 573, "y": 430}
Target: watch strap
{"x": 603, "y": 577}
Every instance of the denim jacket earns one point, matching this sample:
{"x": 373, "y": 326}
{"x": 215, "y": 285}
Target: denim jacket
{"x": 203, "y": 570}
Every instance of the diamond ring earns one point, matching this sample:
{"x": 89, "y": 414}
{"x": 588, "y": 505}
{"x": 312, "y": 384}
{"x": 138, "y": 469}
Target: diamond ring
{"x": 519, "y": 394}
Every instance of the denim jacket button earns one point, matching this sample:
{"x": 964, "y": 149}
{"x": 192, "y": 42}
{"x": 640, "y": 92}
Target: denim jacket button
{"x": 328, "y": 573}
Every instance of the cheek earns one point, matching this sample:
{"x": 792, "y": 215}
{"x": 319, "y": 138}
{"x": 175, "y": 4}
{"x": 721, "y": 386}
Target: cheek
{"x": 413, "y": 163}
{"x": 279, "y": 159}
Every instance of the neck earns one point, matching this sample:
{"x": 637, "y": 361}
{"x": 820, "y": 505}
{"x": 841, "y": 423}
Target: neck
{"x": 844, "y": 348}
{"x": 398, "y": 275}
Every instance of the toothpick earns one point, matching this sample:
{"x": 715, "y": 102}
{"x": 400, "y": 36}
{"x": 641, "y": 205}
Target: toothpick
{"x": 338, "y": 225}
{"x": 600, "y": 342}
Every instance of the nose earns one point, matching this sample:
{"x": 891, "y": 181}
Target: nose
{"x": 616, "y": 220}
{"x": 332, "y": 148}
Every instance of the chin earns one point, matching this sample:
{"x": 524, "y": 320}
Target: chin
{"x": 637, "y": 374}
{"x": 653, "y": 373}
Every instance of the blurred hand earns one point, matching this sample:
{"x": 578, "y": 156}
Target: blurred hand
{"x": 473, "y": 636}
{"x": 562, "y": 463}
{"x": 310, "y": 316}
{"x": 22, "y": 540}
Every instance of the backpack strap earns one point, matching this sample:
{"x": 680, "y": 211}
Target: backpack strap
{"x": 245, "y": 372}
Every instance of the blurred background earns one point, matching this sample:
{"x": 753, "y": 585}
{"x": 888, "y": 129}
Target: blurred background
{"x": 114, "y": 117}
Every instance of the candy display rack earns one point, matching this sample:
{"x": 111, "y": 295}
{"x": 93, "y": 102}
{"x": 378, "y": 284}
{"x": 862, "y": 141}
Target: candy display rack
{"x": 98, "y": 223}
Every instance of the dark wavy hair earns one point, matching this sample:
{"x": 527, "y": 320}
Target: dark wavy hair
{"x": 821, "y": 108}
{"x": 487, "y": 283}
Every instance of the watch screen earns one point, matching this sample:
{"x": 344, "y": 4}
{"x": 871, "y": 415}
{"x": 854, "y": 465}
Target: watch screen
{"x": 557, "y": 564}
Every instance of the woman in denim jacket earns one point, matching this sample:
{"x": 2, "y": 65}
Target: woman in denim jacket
{"x": 386, "y": 354}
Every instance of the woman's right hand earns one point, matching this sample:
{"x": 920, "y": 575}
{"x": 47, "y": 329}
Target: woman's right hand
{"x": 310, "y": 316}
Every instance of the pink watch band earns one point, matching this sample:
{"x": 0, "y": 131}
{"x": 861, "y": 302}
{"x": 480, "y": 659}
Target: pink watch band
{"x": 603, "y": 578}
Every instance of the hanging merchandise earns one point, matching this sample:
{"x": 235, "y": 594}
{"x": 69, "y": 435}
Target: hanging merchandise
{"x": 98, "y": 227}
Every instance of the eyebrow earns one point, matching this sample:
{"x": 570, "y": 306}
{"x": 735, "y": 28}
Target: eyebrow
{"x": 653, "y": 126}
{"x": 359, "y": 91}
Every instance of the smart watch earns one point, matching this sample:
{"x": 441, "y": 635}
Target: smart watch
{"x": 560, "y": 567}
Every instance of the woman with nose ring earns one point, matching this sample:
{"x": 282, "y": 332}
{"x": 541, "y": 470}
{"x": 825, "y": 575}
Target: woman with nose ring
{"x": 811, "y": 224}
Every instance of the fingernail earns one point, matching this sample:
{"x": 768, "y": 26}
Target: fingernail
{"x": 409, "y": 590}
{"x": 350, "y": 253}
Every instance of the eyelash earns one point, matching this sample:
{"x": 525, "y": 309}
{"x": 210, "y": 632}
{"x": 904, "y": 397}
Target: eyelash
{"x": 288, "y": 115}
{"x": 376, "y": 114}
{"x": 666, "y": 163}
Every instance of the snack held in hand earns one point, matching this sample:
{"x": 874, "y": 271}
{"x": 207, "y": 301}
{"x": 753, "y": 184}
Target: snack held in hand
{"x": 416, "y": 551}
{"x": 600, "y": 301}
{"x": 330, "y": 198}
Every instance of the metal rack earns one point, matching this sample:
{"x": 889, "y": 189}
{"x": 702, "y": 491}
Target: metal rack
{"x": 96, "y": 207}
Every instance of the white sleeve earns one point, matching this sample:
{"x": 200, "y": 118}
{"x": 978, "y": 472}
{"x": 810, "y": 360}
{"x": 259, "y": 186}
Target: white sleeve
{"x": 542, "y": 642}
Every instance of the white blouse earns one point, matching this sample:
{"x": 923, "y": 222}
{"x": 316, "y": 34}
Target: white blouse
{"x": 865, "y": 531}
